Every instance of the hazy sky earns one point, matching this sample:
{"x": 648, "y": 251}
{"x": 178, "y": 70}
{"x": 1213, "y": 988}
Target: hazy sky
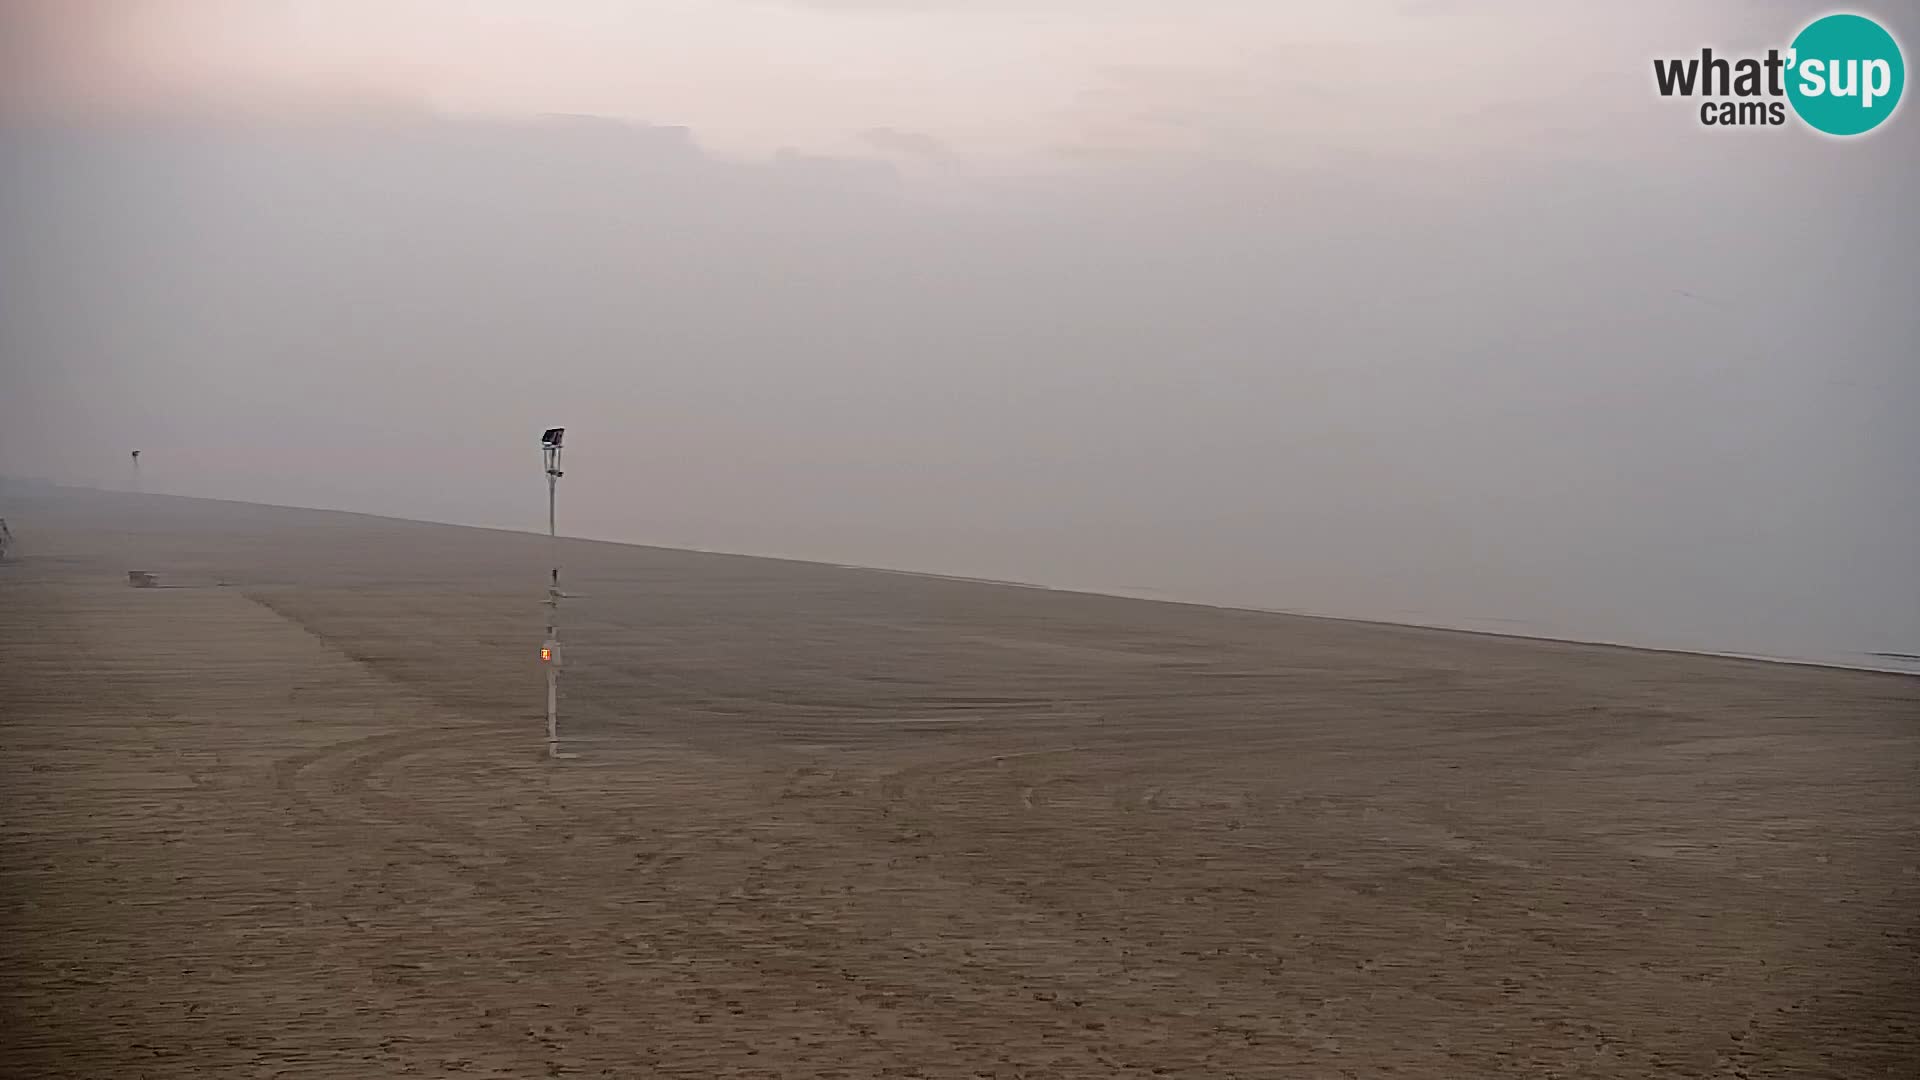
{"x": 1424, "y": 310}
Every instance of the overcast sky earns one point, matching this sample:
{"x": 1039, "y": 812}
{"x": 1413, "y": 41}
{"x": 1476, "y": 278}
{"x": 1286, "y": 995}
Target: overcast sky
{"x": 1427, "y": 310}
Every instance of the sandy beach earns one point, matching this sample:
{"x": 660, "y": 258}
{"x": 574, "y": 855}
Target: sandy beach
{"x": 292, "y": 816}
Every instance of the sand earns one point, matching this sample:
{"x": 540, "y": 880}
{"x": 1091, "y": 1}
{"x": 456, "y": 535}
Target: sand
{"x": 830, "y": 822}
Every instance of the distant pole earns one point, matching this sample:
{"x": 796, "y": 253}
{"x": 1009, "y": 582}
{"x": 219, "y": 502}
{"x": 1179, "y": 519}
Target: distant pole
{"x": 550, "y": 651}
{"x": 136, "y": 578}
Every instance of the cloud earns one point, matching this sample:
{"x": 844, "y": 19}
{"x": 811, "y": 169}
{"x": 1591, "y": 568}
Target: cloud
{"x": 909, "y": 143}
{"x": 53, "y": 53}
{"x": 121, "y": 58}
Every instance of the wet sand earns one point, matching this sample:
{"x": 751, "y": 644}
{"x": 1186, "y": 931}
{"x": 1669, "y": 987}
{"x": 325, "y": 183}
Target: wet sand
{"x": 832, "y": 822}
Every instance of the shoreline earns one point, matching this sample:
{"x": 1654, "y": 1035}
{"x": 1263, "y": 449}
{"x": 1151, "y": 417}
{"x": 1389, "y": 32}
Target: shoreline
{"x": 1890, "y": 663}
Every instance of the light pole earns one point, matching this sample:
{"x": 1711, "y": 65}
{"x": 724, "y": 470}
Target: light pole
{"x": 550, "y": 650}
{"x": 139, "y": 579}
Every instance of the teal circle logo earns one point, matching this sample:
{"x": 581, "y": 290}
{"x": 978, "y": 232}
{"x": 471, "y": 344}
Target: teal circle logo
{"x": 1846, "y": 74}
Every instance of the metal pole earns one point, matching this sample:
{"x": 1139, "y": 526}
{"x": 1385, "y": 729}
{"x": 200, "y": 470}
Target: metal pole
{"x": 134, "y": 575}
{"x": 550, "y": 649}
{"x": 553, "y": 616}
